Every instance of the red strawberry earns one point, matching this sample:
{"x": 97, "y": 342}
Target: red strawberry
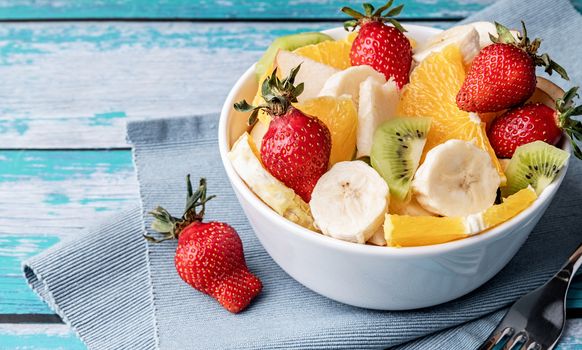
{"x": 382, "y": 47}
{"x": 503, "y": 74}
{"x": 209, "y": 256}
{"x": 536, "y": 122}
{"x": 296, "y": 147}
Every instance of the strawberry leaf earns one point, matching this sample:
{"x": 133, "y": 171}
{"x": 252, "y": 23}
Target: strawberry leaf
{"x": 243, "y": 106}
{"x": 397, "y": 25}
{"x": 368, "y": 9}
{"x": 381, "y": 10}
{"x": 395, "y": 11}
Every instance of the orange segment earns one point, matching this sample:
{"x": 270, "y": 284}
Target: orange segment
{"x": 510, "y": 207}
{"x": 432, "y": 92}
{"x": 340, "y": 115}
{"x": 412, "y": 231}
{"x": 333, "y": 53}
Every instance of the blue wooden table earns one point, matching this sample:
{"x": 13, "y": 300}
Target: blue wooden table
{"x": 73, "y": 72}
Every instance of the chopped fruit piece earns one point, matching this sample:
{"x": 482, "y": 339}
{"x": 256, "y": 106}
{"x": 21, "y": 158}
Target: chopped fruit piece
{"x": 289, "y": 43}
{"x": 332, "y": 53}
{"x": 313, "y": 74}
{"x": 535, "y": 164}
{"x": 536, "y": 122}
{"x": 456, "y": 179}
{"x": 349, "y": 202}
{"x": 296, "y": 147}
{"x": 341, "y": 118}
{"x": 431, "y": 93}
{"x": 209, "y": 256}
{"x": 378, "y": 237}
{"x": 412, "y": 231}
{"x": 384, "y": 48}
{"x": 378, "y": 104}
{"x": 464, "y": 36}
{"x": 244, "y": 156}
{"x": 396, "y": 151}
{"x": 409, "y": 206}
{"x": 503, "y": 74}
{"x": 510, "y": 207}
{"x": 259, "y": 130}
{"x": 347, "y": 82}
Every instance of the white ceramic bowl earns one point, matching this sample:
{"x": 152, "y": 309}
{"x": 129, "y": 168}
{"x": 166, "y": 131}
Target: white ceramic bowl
{"x": 370, "y": 276}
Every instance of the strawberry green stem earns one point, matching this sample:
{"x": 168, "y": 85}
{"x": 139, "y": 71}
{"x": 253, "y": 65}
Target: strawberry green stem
{"x": 373, "y": 15}
{"x": 169, "y": 226}
{"x": 504, "y": 36}
{"x": 278, "y": 95}
{"x": 572, "y": 127}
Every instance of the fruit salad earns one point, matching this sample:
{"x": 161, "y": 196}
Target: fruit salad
{"x": 378, "y": 139}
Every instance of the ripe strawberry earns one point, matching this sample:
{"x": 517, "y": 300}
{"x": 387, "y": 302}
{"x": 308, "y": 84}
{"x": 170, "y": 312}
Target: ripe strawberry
{"x": 296, "y": 147}
{"x": 209, "y": 255}
{"x": 382, "y": 47}
{"x": 536, "y": 122}
{"x": 503, "y": 74}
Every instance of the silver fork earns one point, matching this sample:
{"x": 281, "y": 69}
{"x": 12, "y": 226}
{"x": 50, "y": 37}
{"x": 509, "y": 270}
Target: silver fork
{"x": 536, "y": 320}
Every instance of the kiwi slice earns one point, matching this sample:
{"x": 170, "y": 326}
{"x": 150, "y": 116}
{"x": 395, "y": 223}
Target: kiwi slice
{"x": 288, "y": 43}
{"x": 396, "y": 151}
{"x": 534, "y": 164}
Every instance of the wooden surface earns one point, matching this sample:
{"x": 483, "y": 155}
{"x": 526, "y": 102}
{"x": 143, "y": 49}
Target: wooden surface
{"x": 67, "y": 89}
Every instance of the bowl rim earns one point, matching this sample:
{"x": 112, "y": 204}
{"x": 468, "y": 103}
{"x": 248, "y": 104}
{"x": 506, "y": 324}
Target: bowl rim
{"x": 256, "y": 203}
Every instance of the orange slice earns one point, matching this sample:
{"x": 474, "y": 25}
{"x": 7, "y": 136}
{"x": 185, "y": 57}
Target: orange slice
{"x": 432, "y": 91}
{"x": 340, "y": 115}
{"x": 333, "y": 53}
{"x": 412, "y": 231}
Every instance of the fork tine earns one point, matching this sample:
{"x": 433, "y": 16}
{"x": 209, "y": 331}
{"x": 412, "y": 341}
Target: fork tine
{"x": 519, "y": 337}
{"x": 531, "y": 345}
{"x": 496, "y": 337}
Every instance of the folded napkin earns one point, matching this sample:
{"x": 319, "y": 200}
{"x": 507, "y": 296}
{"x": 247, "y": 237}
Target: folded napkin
{"x": 117, "y": 291}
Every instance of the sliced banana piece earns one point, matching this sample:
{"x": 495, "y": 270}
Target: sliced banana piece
{"x": 464, "y": 36}
{"x": 485, "y": 28}
{"x": 378, "y": 237}
{"x": 283, "y": 200}
{"x": 259, "y": 130}
{"x": 312, "y": 73}
{"x": 378, "y": 103}
{"x": 349, "y": 201}
{"x": 457, "y": 178}
{"x": 347, "y": 82}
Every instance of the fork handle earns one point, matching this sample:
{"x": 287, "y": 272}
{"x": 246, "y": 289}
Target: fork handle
{"x": 571, "y": 266}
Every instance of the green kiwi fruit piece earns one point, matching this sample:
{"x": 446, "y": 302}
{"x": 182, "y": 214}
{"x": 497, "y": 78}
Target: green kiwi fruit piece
{"x": 396, "y": 151}
{"x": 288, "y": 43}
{"x": 534, "y": 164}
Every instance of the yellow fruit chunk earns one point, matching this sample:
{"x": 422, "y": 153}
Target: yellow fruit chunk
{"x": 412, "y": 231}
{"x": 340, "y": 115}
{"x": 432, "y": 92}
{"x": 333, "y": 53}
{"x": 510, "y": 207}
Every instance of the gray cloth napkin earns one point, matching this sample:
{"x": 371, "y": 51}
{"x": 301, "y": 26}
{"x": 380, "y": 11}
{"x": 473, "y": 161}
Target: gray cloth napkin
{"x": 100, "y": 283}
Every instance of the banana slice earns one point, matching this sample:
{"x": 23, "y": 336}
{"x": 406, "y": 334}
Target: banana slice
{"x": 465, "y": 37}
{"x": 347, "y": 82}
{"x": 349, "y": 201}
{"x": 283, "y": 200}
{"x": 485, "y": 28}
{"x": 258, "y": 132}
{"x": 378, "y": 103}
{"x": 378, "y": 237}
{"x": 457, "y": 178}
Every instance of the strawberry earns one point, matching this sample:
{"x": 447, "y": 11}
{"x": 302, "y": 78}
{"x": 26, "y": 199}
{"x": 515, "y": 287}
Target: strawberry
{"x": 382, "y": 47}
{"x": 503, "y": 74}
{"x": 209, "y": 255}
{"x": 536, "y": 122}
{"x": 296, "y": 147}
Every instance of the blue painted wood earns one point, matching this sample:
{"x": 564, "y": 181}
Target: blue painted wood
{"x": 39, "y": 338}
{"x": 208, "y": 9}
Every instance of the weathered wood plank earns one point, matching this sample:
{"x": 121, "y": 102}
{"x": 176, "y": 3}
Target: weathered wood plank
{"x": 74, "y": 84}
{"x": 205, "y": 9}
{"x": 39, "y": 337}
{"x": 47, "y": 195}
{"x": 61, "y": 192}
{"x": 59, "y": 337}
